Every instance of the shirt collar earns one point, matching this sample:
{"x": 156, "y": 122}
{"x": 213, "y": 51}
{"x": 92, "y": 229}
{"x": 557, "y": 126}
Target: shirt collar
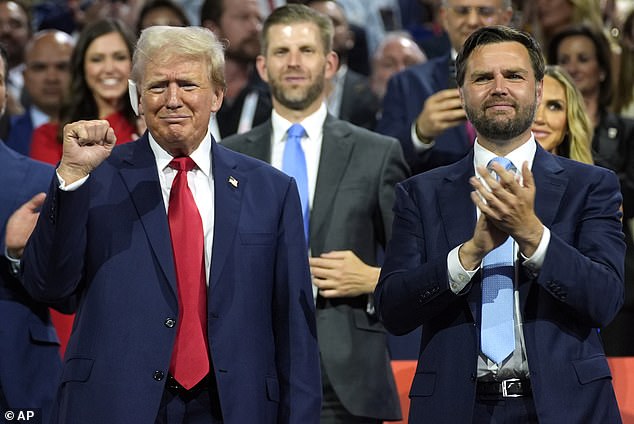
{"x": 524, "y": 153}
{"x": 313, "y": 124}
{"x": 201, "y": 156}
{"x": 38, "y": 117}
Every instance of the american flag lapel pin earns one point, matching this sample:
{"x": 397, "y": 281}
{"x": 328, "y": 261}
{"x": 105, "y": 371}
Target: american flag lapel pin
{"x": 233, "y": 181}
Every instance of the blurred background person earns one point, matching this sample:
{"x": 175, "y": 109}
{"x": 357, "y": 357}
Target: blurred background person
{"x": 422, "y": 106}
{"x": 161, "y": 12}
{"x": 349, "y": 96}
{"x": 46, "y": 80}
{"x": 100, "y": 68}
{"x": 552, "y": 16}
{"x": 30, "y": 365}
{"x": 584, "y": 52}
{"x": 15, "y": 32}
{"x": 238, "y": 24}
{"x": 396, "y": 52}
{"x": 561, "y": 124}
{"x": 624, "y": 93}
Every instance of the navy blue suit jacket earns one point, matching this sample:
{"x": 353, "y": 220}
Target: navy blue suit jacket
{"x": 108, "y": 244}
{"x": 20, "y": 133}
{"x": 30, "y": 365}
{"x": 406, "y": 93}
{"x": 579, "y": 289}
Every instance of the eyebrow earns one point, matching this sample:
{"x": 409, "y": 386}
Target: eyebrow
{"x": 505, "y": 72}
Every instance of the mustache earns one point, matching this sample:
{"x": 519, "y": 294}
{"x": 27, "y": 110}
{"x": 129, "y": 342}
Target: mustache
{"x": 494, "y": 102}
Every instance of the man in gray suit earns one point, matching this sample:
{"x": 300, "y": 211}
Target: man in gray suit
{"x": 346, "y": 176}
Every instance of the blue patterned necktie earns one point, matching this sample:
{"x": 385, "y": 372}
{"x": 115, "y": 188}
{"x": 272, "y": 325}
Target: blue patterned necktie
{"x": 294, "y": 164}
{"x": 497, "y": 328}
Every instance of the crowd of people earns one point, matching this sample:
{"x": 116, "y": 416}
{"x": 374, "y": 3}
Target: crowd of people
{"x": 416, "y": 140}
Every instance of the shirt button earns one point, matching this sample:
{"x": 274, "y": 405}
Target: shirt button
{"x": 462, "y": 278}
{"x": 158, "y": 375}
{"x": 170, "y": 322}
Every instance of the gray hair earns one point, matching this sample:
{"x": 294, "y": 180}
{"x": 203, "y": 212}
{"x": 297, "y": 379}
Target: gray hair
{"x": 189, "y": 42}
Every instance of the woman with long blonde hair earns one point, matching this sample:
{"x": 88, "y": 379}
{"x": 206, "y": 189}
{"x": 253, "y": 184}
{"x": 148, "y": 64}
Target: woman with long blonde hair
{"x": 561, "y": 123}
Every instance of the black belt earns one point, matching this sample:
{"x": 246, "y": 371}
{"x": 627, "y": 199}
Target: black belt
{"x": 513, "y": 387}
{"x": 176, "y": 388}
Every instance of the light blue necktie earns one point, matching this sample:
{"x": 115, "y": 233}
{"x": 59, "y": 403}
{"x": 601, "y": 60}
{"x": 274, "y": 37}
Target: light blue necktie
{"x": 294, "y": 164}
{"x": 498, "y": 329}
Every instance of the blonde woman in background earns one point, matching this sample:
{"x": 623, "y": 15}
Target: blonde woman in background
{"x": 561, "y": 124}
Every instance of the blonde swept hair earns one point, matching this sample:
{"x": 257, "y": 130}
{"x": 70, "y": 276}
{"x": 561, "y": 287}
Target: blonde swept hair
{"x": 579, "y": 129}
{"x": 158, "y": 43}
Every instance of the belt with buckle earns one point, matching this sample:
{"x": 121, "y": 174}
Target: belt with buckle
{"x": 513, "y": 387}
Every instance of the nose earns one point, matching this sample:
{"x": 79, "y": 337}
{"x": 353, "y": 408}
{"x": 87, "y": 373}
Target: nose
{"x": 108, "y": 64}
{"x": 173, "y": 96}
{"x": 473, "y": 19}
{"x": 499, "y": 84}
{"x": 294, "y": 59}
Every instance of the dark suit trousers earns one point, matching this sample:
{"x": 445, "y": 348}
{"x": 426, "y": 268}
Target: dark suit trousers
{"x": 200, "y": 405}
{"x": 519, "y": 410}
{"x": 333, "y": 411}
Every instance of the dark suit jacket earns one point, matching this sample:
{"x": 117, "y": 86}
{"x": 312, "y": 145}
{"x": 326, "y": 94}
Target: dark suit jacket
{"x": 30, "y": 365}
{"x": 406, "y": 93}
{"x": 579, "y": 289}
{"x": 228, "y": 117}
{"x": 20, "y": 133}
{"x": 359, "y": 105}
{"x": 351, "y": 210}
{"x": 108, "y": 243}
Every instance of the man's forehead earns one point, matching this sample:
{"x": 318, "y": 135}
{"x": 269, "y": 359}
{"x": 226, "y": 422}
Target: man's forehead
{"x": 290, "y": 32}
{"x": 183, "y": 68}
{"x": 477, "y": 3}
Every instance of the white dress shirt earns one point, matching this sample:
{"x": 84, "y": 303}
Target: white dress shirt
{"x": 201, "y": 183}
{"x": 516, "y": 365}
{"x": 311, "y": 144}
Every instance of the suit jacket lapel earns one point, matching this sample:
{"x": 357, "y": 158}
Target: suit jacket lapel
{"x": 454, "y": 200}
{"x": 229, "y": 184}
{"x": 139, "y": 173}
{"x": 336, "y": 149}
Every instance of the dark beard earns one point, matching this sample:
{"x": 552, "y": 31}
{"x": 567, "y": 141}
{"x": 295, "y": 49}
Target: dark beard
{"x": 495, "y": 129}
{"x": 313, "y": 92}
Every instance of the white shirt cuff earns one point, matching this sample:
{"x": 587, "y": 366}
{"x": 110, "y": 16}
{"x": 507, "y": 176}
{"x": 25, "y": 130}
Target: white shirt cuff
{"x": 70, "y": 187}
{"x": 458, "y": 276}
{"x": 419, "y": 146}
{"x": 13, "y": 263}
{"x": 535, "y": 262}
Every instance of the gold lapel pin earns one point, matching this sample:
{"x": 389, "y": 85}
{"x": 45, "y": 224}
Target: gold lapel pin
{"x": 233, "y": 182}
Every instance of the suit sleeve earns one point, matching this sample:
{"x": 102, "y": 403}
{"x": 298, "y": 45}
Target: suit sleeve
{"x": 297, "y": 352}
{"x": 587, "y": 275}
{"x": 395, "y": 118}
{"x": 412, "y": 287}
{"x": 53, "y": 259}
{"x": 393, "y": 171}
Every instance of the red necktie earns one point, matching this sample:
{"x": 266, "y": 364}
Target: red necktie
{"x": 190, "y": 358}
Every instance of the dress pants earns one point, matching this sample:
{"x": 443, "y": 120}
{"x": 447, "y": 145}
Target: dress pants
{"x": 200, "y": 405}
{"x": 511, "y": 410}
{"x": 333, "y": 411}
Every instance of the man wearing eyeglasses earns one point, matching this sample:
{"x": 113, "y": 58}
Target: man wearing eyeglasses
{"x": 422, "y": 107}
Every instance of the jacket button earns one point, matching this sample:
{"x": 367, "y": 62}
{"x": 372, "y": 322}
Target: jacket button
{"x": 170, "y": 322}
{"x": 158, "y": 375}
